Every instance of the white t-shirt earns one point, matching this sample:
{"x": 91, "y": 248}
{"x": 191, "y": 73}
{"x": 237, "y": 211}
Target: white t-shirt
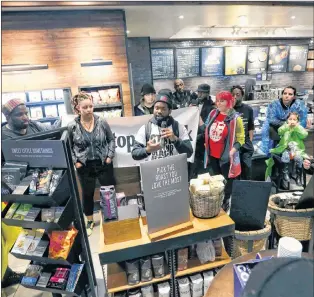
{"x": 169, "y": 148}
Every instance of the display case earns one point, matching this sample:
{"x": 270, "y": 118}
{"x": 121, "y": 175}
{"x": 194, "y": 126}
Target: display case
{"x": 107, "y": 99}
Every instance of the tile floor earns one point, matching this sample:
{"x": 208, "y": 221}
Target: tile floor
{"x": 19, "y": 265}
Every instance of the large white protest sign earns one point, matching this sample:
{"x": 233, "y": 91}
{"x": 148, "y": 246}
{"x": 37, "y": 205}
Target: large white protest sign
{"x": 125, "y": 129}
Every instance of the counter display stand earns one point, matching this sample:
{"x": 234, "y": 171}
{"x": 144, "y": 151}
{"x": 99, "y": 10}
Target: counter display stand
{"x": 80, "y": 252}
{"x": 203, "y": 229}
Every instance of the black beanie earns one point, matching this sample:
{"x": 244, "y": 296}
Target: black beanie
{"x": 147, "y": 89}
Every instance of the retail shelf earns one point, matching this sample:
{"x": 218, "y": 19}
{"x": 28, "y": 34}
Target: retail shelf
{"x": 203, "y": 229}
{"x": 117, "y": 279}
{"x": 195, "y": 266}
{"x": 112, "y": 105}
{"x": 53, "y": 291}
{"x": 40, "y": 103}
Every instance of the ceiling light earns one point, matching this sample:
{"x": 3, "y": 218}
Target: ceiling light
{"x": 181, "y": 17}
{"x": 127, "y": 31}
{"x": 23, "y": 67}
{"x": 293, "y": 17}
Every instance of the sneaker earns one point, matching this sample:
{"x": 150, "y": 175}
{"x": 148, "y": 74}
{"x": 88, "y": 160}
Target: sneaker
{"x": 89, "y": 227}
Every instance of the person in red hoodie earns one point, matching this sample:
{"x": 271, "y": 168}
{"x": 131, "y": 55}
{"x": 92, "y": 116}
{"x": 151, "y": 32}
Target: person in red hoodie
{"x": 224, "y": 136}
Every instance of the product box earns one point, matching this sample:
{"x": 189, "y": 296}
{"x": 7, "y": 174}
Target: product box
{"x": 51, "y": 111}
{"x": 242, "y": 272}
{"x": 48, "y": 95}
{"x": 34, "y": 96}
{"x": 22, "y": 211}
{"x": 36, "y": 113}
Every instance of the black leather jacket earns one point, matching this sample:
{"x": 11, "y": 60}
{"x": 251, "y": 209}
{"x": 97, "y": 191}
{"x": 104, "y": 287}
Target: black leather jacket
{"x": 180, "y": 100}
{"x": 103, "y": 140}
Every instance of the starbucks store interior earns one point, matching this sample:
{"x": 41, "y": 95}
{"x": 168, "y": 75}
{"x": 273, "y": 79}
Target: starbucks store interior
{"x": 157, "y": 149}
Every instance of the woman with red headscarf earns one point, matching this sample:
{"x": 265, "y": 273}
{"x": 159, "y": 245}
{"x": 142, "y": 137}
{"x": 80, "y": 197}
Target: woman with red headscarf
{"x": 224, "y": 135}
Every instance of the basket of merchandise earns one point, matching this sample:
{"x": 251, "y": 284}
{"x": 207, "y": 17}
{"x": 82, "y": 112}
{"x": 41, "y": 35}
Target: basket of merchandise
{"x": 206, "y": 195}
{"x": 288, "y": 221}
{"x": 250, "y": 241}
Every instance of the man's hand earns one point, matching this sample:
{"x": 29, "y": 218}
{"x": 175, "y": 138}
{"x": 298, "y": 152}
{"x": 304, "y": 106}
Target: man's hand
{"x": 108, "y": 161}
{"x": 231, "y": 154}
{"x": 306, "y": 164}
{"x": 152, "y": 147}
{"x": 168, "y": 133}
{"x": 78, "y": 165}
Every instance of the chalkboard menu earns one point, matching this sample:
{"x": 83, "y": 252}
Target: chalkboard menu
{"x": 278, "y": 58}
{"x": 212, "y": 61}
{"x": 188, "y": 62}
{"x": 298, "y": 57}
{"x": 235, "y": 61}
{"x": 257, "y": 59}
{"x": 162, "y": 63}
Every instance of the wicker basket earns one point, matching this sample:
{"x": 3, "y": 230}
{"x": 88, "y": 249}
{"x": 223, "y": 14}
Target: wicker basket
{"x": 296, "y": 223}
{"x": 205, "y": 207}
{"x": 250, "y": 241}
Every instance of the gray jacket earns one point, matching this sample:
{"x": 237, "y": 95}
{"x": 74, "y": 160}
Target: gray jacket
{"x": 103, "y": 139}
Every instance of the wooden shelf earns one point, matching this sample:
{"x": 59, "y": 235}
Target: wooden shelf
{"x": 117, "y": 279}
{"x": 195, "y": 266}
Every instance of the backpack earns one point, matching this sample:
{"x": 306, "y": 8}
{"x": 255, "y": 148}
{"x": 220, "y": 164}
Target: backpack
{"x": 148, "y": 129}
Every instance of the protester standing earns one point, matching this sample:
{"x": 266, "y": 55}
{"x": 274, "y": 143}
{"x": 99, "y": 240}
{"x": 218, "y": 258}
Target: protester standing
{"x": 148, "y": 96}
{"x": 181, "y": 97}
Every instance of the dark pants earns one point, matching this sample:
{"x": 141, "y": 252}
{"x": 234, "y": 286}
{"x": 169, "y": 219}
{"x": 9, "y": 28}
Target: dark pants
{"x": 88, "y": 175}
{"x": 215, "y": 168}
{"x": 246, "y": 165}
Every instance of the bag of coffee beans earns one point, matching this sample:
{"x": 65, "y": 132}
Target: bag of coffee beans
{"x": 158, "y": 265}
{"x": 163, "y": 289}
{"x": 196, "y": 285}
{"x": 147, "y": 291}
{"x": 108, "y": 202}
{"x": 133, "y": 271}
{"x": 184, "y": 287}
{"x": 146, "y": 269}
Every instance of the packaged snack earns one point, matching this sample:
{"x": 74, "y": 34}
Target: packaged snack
{"x": 22, "y": 187}
{"x": 17, "y": 164}
{"x": 182, "y": 259}
{"x": 55, "y": 179}
{"x": 158, "y": 265}
{"x": 48, "y": 214}
{"x": 32, "y": 214}
{"x": 5, "y": 189}
{"x": 147, "y": 291}
{"x": 38, "y": 236}
{"x": 196, "y": 285}
{"x": 184, "y": 287}
{"x": 41, "y": 248}
{"x": 43, "y": 280}
{"x": 12, "y": 210}
{"x": 22, "y": 211}
{"x": 31, "y": 275}
{"x": 146, "y": 269}
{"x": 61, "y": 243}
{"x": 58, "y": 212}
{"x": 33, "y": 185}
{"x": 75, "y": 272}
{"x": 59, "y": 279}
{"x": 43, "y": 187}
{"x": 133, "y": 271}
{"x": 11, "y": 176}
{"x": 23, "y": 242}
{"x": 108, "y": 202}
{"x": 163, "y": 289}
{"x": 208, "y": 278}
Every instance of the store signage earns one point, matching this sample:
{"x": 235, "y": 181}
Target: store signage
{"x": 126, "y": 128}
{"x": 257, "y": 59}
{"x": 212, "y": 61}
{"x": 278, "y": 58}
{"x": 298, "y": 57}
{"x": 37, "y": 153}
{"x": 162, "y": 63}
{"x": 188, "y": 62}
{"x": 166, "y": 193}
{"x": 249, "y": 204}
{"x": 235, "y": 61}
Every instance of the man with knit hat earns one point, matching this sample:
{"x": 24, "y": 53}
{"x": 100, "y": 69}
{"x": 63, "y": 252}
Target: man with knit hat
{"x": 148, "y": 96}
{"x": 18, "y": 122}
{"x": 162, "y": 136}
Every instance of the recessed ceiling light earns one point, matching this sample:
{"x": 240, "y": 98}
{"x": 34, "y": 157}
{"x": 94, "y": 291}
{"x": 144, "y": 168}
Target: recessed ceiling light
{"x": 181, "y": 17}
{"x": 293, "y": 17}
{"x": 127, "y": 31}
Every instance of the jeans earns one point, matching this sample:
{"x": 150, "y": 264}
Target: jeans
{"x": 88, "y": 175}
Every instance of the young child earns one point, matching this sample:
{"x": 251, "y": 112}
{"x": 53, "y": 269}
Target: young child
{"x": 291, "y": 147}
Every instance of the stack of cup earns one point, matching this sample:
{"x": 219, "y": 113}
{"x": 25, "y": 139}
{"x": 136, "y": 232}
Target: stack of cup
{"x": 289, "y": 247}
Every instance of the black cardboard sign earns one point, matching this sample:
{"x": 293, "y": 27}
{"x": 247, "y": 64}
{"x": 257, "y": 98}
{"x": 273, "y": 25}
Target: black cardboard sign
{"x": 37, "y": 153}
{"x": 249, "y": 204}
{"x": 166, "y": 192}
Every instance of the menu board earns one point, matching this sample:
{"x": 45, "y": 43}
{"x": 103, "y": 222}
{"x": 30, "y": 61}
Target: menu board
{"x": 212, "y": 61}
{"x": 278, "y": 58}
{"x": 257, "y": 59}
{"x": 188, "y": 62}
{"x": 235, "y": 62}
{"x": 162, "y": 63}
{"x": 298, "y": 57}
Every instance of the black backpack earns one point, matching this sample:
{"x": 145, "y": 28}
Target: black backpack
{"x": 148, "y": 129}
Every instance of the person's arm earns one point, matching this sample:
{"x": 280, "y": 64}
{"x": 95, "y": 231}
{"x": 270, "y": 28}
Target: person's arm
{"x": 283, "y": 129}
{"x": 70, "y": 130}
{"x": 110, "y": 140}
{"x": 139, "y": 149}
{"x": 251, "y": 123}
{"x": 239, "y": 134}
{"x": 273, "y": 117}
{"x": 183, "y": 143}
{"x": 300, "y": 132}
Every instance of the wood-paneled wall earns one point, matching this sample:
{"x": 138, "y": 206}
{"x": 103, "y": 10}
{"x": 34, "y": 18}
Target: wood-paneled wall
{"x": 64, "y": 39}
